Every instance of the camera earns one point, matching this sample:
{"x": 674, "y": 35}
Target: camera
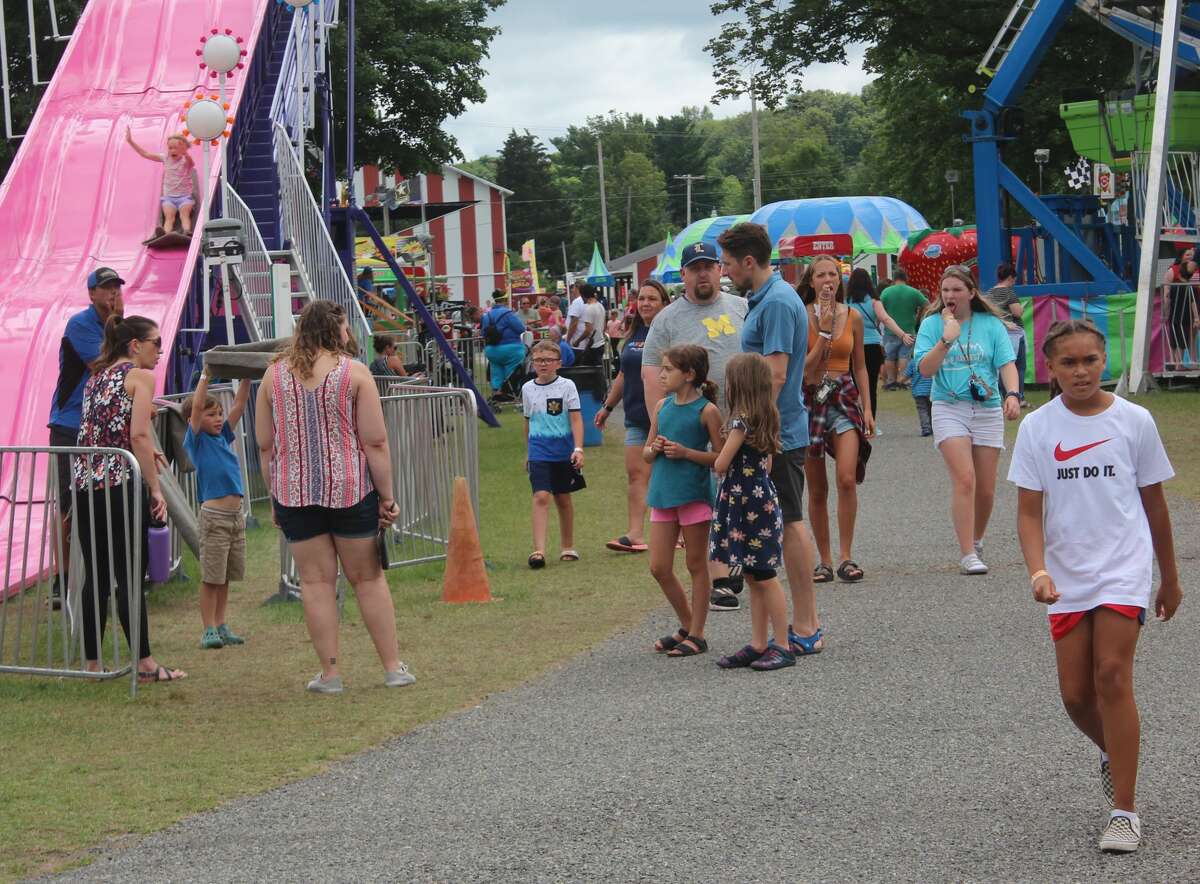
{"x": 824, "y": 390}
{"x": 980, "y": 391}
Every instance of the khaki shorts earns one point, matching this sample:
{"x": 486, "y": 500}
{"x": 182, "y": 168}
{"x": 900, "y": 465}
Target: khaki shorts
{"x": 222, "y": 545}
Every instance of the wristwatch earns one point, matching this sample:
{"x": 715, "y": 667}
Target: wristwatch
{"x": 947, "y": 344}
{"x": 1012, "y": 393}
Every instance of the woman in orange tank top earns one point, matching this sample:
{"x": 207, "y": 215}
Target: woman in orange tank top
{"x": 840, "y": 418}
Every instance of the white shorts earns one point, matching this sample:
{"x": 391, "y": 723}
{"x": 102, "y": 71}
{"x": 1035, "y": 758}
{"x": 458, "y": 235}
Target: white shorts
{"x": 983, "y": 426}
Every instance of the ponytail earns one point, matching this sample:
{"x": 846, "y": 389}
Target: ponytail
{"x": 119, "y": 333}
{"x": 690, "y": 357}
{"x": 709, "y": 391}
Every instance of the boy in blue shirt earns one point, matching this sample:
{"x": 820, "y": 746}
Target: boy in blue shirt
{"x": 554, "y": 436}
{"x": 922, "y": 388}
{"x": 208, "y": 441}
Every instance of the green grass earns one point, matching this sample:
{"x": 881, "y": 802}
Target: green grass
{"x": 1177, "y": 413}
{"x": 83, "y": 764}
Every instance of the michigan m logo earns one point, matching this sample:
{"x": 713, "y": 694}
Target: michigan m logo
{"x": 719, "y": 326}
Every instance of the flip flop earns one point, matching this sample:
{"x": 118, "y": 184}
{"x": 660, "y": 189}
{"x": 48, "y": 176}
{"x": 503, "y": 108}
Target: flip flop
{"x": 624, "y": 544}
{"x": 162, "y": 673}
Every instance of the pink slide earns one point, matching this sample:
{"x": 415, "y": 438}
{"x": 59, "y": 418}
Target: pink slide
{"x": 78, "y": 197}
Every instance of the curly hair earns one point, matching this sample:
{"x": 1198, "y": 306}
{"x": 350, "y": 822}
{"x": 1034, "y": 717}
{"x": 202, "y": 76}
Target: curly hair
{"x": 318, "y": 329}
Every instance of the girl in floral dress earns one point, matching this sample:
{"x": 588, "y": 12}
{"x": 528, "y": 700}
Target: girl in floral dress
{"x": 747, "y": 529}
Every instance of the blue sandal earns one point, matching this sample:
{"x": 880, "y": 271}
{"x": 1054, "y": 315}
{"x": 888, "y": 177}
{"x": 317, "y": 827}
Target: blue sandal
{"x": 804, "y": 646}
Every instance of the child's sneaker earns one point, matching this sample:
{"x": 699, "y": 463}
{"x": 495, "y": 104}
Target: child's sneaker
{"x": 1123, "y": 834}
{"x": 1106, "y": 781}
{"x": 211, "y": 640}
{"x": 775, "y": 658}
{"x": 228, "y": 637}
{"x": 743, "y": 658}
{"x": 971, "y": 564}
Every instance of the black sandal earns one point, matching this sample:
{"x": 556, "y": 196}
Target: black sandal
{"x": 822, "y": 574}
{"x": 849, "y": 572}
{"x": 537, "y": 560}
{"x": 162, "y": 673}
{"x": 668, "y": 642}
{"x": 689, "y": 647}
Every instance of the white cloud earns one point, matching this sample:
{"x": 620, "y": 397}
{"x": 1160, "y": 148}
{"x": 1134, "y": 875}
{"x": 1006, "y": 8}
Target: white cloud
{"x": 547, "y": 79}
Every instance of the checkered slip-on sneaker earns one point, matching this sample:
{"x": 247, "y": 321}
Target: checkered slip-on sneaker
{"x": 1106, "y": 781}
{"x": 1121, "y": 835}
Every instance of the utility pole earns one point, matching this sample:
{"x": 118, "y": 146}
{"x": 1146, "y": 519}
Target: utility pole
{"x": 566, "y": 266}
{"x": 628, "y": 213}
{"x": 754, "y": 147}
{"x": 689, "y": 179}
{"x": 603, "y": 201}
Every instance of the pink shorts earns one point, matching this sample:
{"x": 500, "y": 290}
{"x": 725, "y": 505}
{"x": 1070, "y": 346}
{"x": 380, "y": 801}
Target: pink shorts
{"x": 689, "y": 514}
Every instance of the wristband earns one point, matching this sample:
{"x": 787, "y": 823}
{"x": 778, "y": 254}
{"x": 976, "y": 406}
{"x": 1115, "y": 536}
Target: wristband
{"x": 946, "y": 344}
{"x": 580, "y": 450}
{"x": 1012, "y": 393}
{"x": 826, "y": 335}
{"x": 1037, "y": 575}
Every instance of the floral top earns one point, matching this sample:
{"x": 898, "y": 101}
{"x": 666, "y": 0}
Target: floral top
{"x": 106, "y": 418}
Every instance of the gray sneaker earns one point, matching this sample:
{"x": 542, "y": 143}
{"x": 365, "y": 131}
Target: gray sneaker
{"x": 972, "y": 564}
{"x": 1106, "y": 781}
{"x": 325, "y": 686}
{"x": 398, "y": 678}
{"x": 1121, "y": 835}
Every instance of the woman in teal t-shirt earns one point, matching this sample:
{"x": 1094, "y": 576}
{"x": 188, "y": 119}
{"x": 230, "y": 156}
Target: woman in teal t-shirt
{"x": 963, "y": 345}
{"x": 860, "y": 296}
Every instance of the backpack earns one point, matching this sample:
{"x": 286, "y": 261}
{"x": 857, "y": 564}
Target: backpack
{"x": 492, "y": 335}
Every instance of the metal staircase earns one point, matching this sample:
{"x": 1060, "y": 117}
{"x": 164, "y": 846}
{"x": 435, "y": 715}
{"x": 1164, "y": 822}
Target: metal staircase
{"x": 1017, "y": 18}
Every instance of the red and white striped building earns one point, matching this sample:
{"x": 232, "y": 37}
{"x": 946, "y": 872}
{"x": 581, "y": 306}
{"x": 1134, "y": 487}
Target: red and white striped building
{"x": 469, "y": 233}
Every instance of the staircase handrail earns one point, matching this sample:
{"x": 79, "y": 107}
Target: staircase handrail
{"x": 254, "y": 275}
{"x": 284, "y": 107}
{"x": 304, "y": 227}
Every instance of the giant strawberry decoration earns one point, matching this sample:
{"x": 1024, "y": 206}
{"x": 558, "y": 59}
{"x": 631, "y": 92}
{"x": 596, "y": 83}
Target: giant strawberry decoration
{"x": 929, "y": 252}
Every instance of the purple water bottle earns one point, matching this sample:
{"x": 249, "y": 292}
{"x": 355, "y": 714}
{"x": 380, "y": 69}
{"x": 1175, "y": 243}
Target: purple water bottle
{"x": 159, "y": 548}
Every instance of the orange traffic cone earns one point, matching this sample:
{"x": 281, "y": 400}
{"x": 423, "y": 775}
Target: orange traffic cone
{"x": 466, "y": 578}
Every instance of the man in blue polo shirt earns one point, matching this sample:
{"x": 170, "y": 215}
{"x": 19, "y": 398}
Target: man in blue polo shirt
{"x": 777, "y": 328}
{"x": 80, "y": 347}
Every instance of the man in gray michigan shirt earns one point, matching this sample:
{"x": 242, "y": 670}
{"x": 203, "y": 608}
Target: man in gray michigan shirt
{"x": 713, "y": 320}
{"x": 703, "y": 316}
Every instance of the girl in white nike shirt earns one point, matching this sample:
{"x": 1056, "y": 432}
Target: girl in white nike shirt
{"x": 1092, "y": 516}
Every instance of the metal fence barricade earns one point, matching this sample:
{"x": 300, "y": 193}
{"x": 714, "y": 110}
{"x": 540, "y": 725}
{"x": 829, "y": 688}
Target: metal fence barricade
{"x": 469, "y": 352}
{"x": 53, "y": 614}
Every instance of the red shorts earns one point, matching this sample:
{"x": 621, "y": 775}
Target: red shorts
{"x": 1061, "y": 624}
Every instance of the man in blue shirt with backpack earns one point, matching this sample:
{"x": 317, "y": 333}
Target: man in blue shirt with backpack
{"x": 502, "y": 330}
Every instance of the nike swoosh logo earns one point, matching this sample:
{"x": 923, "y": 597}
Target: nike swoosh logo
{"x": 1061, "y": 455}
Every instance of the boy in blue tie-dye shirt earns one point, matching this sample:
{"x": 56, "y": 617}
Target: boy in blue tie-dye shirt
{"x": 554, "y": 438}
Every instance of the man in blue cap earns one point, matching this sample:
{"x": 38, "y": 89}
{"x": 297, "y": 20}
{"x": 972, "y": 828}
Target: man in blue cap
{"x": 80, "y": 346}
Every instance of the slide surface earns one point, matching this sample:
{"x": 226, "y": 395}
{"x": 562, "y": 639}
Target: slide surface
{"x": 78, "y": 197}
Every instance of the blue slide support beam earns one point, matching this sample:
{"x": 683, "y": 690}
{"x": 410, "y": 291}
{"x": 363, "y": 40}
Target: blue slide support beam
{"x": 356, "y": 214}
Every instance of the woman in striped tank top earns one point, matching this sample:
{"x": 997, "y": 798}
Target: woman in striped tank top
{"x": 324, "y": 452}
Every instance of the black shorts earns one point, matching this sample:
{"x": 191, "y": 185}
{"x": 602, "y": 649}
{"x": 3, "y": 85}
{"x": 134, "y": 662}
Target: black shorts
{"x": 555, "y": 476}
{"x": 306, "y": 522}
{"x": 787, "y": 475}
{"x": 61, "y": 437}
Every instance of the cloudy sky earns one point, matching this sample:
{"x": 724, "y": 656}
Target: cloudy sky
{"x": 556, "y": 62}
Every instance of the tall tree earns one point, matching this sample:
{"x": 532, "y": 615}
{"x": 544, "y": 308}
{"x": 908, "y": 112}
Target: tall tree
{"x": 418, "y": 62}
{"x": 679, "y": 149}
{"x": 536, "y": 209}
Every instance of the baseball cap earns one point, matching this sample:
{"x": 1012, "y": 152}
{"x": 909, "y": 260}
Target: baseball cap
{"x": 103, "y": 276}
{"x": 698, "y": 251}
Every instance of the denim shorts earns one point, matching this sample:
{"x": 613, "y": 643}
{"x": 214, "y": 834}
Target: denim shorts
{"x": 636, "y": 436}
{"x": 306, "y": 522}
{"x": 983, "y": 426}
{"x": 894, "y": 349}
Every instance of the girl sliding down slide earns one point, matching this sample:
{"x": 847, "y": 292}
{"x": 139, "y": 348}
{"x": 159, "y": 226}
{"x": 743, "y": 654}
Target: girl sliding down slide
{"x": 178, "y": 187}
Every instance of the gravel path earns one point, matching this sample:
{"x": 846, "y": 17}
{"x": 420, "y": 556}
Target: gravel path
{"x": 927, "y": 743}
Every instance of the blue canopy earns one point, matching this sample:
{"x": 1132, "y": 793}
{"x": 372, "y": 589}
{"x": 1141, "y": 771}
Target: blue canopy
{"x": 876, "y": 223}
{"x": 597, "y": 273}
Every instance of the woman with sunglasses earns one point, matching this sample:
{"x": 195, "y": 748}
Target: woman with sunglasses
{"x": 963, "y": 345}
{"x": 116, "y": 414}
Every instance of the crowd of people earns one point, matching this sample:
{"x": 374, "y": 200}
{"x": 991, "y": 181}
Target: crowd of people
{"x": 731, "y": 402}
{"x": 739, "y": 398}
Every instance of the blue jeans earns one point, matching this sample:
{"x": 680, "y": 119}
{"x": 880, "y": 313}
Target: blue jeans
{"x": 504, "y": 359}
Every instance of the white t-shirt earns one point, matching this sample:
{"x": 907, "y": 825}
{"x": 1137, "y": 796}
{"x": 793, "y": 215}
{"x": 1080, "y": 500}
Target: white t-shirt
{"x": 575, "y": 311}
{"x": 594, "y": 313}
{"x": 1089, "y": 469}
